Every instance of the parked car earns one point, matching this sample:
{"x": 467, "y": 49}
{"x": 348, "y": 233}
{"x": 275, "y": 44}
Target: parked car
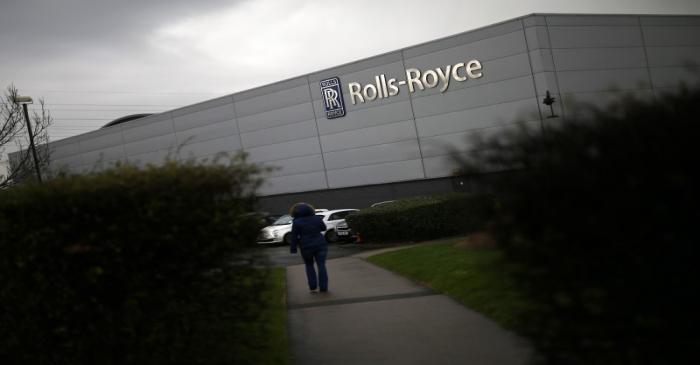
{"x": 271, "y": 218}
{"x": 381, "y": 203}
{"x": 344, "y": 232}
{"x": 280, "y": 231}
{"x": 263, "y": 219}
{"x": 332, "y": 218}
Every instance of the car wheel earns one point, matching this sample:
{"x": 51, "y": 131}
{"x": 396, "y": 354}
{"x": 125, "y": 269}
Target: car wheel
{"x": 287, "y": 239}
{"x": 331, "y": 236}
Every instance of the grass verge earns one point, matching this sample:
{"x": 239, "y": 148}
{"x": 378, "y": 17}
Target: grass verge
{"x": 476, "y": 277}
{"x": 270, "y": 332}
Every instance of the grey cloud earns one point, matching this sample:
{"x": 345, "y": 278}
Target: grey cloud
{"x": 35, "y": 26}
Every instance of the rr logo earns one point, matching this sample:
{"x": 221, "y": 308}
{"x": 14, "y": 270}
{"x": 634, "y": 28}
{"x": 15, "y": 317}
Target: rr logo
{"x": 332, "y": 98}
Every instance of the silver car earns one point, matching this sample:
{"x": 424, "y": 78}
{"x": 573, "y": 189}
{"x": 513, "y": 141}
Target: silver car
{"x": 278, "y": 232}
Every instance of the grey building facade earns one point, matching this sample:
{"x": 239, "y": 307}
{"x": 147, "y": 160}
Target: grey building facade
{"x": 395, "y": 138}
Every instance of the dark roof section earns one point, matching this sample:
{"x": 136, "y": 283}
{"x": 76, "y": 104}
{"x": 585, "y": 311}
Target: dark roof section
{"x": 126, "y": 119}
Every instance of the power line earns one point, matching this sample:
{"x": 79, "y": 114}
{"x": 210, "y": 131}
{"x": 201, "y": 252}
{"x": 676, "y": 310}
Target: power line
{"x": 100, "y": 110}
{"x": 69, "y": 119}
{"x": 118, "y": 92}
{"x": 72, "y": 104}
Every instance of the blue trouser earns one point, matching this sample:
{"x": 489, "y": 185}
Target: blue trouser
{"x": 317, "y": 254}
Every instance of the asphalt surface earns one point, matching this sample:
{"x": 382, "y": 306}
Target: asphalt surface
{"x": 372, "y": 316}
{"x": 280, "y": 256}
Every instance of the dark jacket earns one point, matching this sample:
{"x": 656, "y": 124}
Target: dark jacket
{"x": 306, "y": 229}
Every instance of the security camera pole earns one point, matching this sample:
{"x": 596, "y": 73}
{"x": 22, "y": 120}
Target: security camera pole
{"x": 24, "y": 100}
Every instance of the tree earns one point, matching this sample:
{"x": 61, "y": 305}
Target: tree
{"x": 13, "y": 130}
{"x": 598, "y": 217}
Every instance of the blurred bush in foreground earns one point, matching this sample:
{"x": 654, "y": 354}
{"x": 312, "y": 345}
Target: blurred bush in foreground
{"x": 130, "y": 266}
{"x": 599, "y": 217}
{"x": 422, "y": 218}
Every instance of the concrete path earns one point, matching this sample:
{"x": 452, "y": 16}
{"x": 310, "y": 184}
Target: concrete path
{"x": 372, "y": 316}
{"x": 279, "y": 255}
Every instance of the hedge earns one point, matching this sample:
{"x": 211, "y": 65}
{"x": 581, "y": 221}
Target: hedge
{"x": 600, "y": 225}
{"x": 423, "y": 217}
{"x": 130, "y": 266}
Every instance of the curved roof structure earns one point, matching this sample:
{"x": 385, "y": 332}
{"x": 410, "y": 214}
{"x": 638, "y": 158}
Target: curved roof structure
{"x": 126, "y": 119}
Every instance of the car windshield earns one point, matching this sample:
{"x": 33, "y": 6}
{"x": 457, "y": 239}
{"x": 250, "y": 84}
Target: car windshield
{"x": 285, "y": 219}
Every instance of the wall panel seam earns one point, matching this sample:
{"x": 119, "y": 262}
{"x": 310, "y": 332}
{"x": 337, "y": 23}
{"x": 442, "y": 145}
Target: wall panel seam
{"x": 374, "y": 164}
{"x": 370, "y": 145}
{"x": 685, "y": 67}
{"x": 447, "y": 92}
{"x": 121, "y": 133}
{"x": 283, "y": 105}
{"x": 292, "y": 175}
{"x": 415, "y": 123}
{"x": 473, "y": 130}
{"x": 177, "y": 146}
{"x": 603, "y": 69}
{"x": 273, "y": 110}
{"x": 478, "y": 106}
{"x": 605, "y": 90}
{"x": 207, "y": 124}
{"x": 674, "y": 46}
{"x": 238, "y": 127}
{"x": 612, "y": 92}
{"x": 554, "y": 66}
{"x": 532, "y": 74}
{"x": 646, "y": 57}
{"x": 288, "y": 158}
{"x": 368, "y": 127}
{"x": 283, "y": 141}
{"x": 318, "y": 132}
{"x": 278, "y": 126}
{"x": 201, "y": 139}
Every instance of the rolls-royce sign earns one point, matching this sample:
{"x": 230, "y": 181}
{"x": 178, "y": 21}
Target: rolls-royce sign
{"x": 415, "y": 80}
{"x": 332, "y": 98}
{"x": 384, "y": 87}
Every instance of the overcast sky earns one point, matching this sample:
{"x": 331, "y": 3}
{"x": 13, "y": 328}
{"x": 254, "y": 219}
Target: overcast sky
{"x": 97, "y": 60}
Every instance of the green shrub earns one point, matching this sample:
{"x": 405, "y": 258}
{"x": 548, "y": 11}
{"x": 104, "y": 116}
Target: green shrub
{"x": 422, "y": 217}
{"x": 600, "y": 222}
{"x": 129, "y": 266}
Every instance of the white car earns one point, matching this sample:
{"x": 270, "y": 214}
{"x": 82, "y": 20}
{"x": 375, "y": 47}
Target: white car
{"x": 332, "y": 219}
{"x": 381, "y": 203}
{"x": 281, "y": 230}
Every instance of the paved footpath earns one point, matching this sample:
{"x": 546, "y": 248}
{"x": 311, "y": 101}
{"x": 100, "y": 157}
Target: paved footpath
{"x": 372, "y": 316}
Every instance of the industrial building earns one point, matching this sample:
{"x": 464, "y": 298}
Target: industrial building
{"x": 385, "y": 127}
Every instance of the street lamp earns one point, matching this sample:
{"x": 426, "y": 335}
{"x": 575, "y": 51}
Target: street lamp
{"x": 549, "y": 100}
{"x": 24, "y": 100}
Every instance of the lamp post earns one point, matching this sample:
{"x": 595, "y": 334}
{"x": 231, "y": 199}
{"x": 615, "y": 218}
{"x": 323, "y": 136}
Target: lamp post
{"x": 24, "y": 100}
{"x": 549, "y": 100}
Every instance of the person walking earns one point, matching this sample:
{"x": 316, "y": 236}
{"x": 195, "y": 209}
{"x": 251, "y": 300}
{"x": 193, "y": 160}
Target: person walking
{"x": 306, "y": 234}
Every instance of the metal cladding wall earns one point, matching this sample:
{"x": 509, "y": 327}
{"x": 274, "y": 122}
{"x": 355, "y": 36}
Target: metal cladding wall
{"x": 408, "y": 136}
{"x": 592, "y": 59}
